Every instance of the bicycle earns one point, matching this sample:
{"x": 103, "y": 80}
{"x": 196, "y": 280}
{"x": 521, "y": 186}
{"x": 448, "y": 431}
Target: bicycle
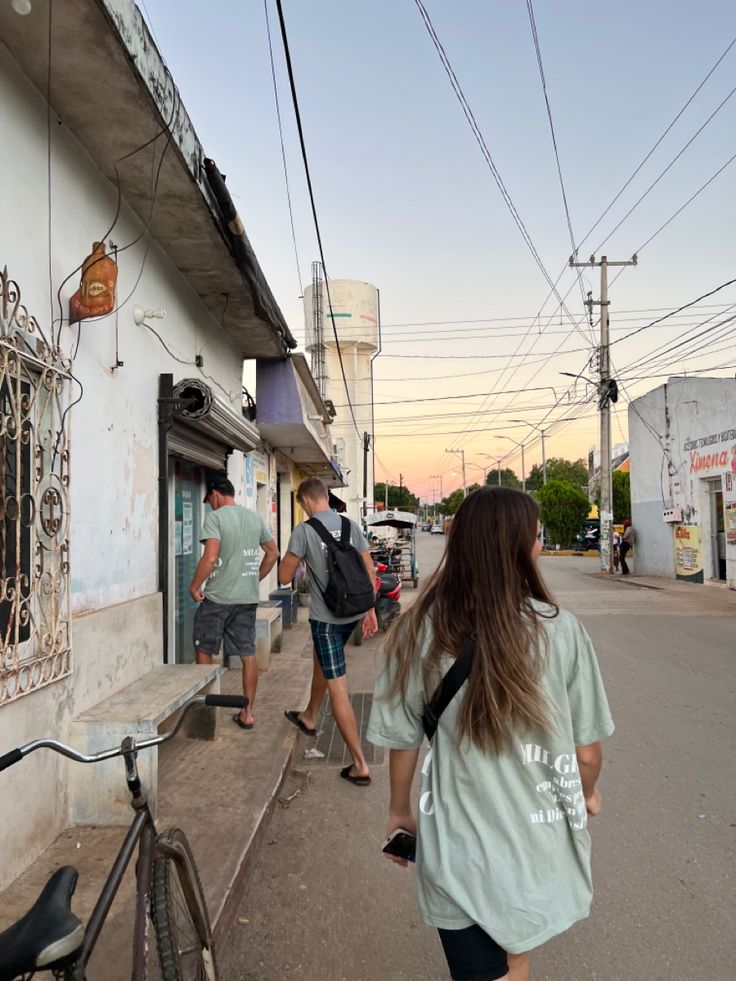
{"x": 49, "y": 937}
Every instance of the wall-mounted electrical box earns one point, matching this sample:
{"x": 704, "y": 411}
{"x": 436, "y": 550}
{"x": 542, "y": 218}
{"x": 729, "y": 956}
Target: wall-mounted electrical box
{"x": 670, "y": 515}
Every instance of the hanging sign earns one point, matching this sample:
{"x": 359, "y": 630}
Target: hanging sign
{"x": 96, "y": 294}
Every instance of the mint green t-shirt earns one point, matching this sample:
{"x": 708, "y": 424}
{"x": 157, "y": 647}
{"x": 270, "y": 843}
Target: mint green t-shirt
{"x": 240, "y": 533}
{"x": 503, "y": 840}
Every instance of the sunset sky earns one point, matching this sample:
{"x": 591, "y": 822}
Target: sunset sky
{"x": 406, "y": 200}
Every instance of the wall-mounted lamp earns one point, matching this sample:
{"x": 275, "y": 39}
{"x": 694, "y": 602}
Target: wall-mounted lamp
{"x": 140, "y": 315}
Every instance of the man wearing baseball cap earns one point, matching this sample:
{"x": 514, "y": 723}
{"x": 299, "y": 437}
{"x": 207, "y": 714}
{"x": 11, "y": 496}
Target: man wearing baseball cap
{"x": 231, "y": 566}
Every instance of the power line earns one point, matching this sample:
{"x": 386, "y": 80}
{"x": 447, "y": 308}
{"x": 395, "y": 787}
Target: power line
{"x": 302, "y": 143}
{"x": 540, "y": 65}
{"x": 669, "y": 166}
{"x": 283, "y": 151}
{"x": 651, "y": 151}
{"x": 480, "y": 139}
{"x": 673, "y": 312}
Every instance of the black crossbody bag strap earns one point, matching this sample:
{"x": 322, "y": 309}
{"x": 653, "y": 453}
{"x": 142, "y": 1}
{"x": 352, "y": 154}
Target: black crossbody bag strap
{"x": 448, "y": 688}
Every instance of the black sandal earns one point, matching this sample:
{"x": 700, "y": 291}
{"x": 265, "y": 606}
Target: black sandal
{"x": 358, "y": 781}
{"x": 293, "y": 716}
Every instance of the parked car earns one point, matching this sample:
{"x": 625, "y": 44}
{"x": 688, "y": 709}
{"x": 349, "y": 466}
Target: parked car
{"x": 427, "y": 526}
{"x": 437, "y": 530}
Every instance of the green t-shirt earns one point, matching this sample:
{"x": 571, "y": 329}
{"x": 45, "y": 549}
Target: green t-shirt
{"x": 240, "y": 533}
{"x": 503, "y": 840}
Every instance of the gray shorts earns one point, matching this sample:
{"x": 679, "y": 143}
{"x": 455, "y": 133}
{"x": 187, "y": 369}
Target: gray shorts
{"x": 222, "y": 623}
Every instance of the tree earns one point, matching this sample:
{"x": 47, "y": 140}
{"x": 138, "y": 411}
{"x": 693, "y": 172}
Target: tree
{"x": 621, "y": 496}
{"x": 564, "y": 509}
{"x": 508, "y": 478}
{"x": 572, "y": 472}
{"x": 398, "y": 497}
{"x": 452, "y": 502}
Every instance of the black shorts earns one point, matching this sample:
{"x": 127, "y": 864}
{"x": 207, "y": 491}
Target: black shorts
{"x": 234, "y": 626}
{"x": 473, "y": 956}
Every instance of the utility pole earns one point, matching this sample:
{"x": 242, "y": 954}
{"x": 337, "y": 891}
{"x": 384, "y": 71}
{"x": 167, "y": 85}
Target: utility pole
{"x": 461, "y": 454}
{"x": 437, "y": 476}
{"x": 366, "y": 448}
{"x": 401, "y": 488}
{"x": 607, "y": 393}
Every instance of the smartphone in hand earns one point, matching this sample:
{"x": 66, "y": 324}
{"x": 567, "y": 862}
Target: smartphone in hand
{"x": 401, "y": 844}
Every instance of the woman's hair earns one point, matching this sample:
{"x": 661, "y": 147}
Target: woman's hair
{"x": 484, "y": 586}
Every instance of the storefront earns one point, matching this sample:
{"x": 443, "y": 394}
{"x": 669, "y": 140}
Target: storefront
{"x": 683, "y": 479}
{"x": 198, "y": 434}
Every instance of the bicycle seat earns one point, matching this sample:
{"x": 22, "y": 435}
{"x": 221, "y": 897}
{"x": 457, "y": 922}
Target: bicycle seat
{"x": 49, "y": 931}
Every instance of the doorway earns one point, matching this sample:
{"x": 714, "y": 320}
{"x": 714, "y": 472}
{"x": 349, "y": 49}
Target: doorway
{"x": 717, "y": 530}
{"x": 189, "y": 482}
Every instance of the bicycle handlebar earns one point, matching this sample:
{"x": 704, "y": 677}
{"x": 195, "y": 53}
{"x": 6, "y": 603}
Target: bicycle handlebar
{"x": 215, "y": 701}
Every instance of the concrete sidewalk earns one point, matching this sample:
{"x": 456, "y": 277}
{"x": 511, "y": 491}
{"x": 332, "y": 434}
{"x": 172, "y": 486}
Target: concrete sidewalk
{"x": 219, "y": 793}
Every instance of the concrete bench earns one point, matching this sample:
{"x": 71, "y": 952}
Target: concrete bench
{"x": 99, "y": 794}
{"x": 269, "y": 635}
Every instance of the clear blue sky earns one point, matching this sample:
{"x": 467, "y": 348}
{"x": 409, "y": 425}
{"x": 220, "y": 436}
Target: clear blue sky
{"x": 406, "y": 200}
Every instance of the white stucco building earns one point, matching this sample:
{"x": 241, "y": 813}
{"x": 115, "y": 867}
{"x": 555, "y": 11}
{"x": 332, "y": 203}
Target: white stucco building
{"x": 682, "y": 438}
{"x": 106, "y": 429}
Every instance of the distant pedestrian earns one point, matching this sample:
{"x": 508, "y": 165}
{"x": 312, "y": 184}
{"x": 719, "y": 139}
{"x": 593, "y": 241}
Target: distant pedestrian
{"x": 503, "y": 851}
{"x": 232, "y": 566}
{"x": 616, "y": 550}
{"x": 329, "y": 632}
{"x": 627, "y": 543}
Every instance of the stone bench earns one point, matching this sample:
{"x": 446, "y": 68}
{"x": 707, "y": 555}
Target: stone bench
{"x": 269, "y": 636}
{"x": 99, "y": 793}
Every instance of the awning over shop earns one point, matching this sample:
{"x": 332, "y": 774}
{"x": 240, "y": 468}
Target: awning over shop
{"x": 293, "y": 418}
{"x": 204, "y": 429}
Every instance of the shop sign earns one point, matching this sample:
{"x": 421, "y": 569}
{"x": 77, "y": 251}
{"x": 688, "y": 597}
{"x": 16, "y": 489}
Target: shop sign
{"x": 709, "y": 452}
{"x": 688, "y": 553}
{"x": 730, "y": 522}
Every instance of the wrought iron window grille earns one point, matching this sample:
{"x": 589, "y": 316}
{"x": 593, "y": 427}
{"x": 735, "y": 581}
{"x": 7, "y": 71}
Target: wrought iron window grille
{"x": 35, "y": 600}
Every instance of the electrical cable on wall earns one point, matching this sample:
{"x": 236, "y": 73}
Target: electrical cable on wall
{"x": 297, "y": 114}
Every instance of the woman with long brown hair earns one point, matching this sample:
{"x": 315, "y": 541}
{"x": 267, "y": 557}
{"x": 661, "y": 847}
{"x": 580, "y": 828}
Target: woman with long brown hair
{"x": 503, "y": 854}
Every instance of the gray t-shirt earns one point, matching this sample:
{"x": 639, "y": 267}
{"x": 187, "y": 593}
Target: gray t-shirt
{"x": 241, "y": 533}
{"x": 502, "y": 840}
{"x": 306, "y": 544}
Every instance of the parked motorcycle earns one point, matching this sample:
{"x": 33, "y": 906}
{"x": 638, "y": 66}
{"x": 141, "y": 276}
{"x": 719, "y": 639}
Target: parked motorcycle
{"x": 588, "y": 540}
{"x": 388, "y": 606}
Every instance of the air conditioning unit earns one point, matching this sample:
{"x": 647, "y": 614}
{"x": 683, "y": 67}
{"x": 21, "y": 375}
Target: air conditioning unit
{"x": 671, "y": 515}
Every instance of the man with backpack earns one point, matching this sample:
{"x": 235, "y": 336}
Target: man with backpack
{"x": 342, "y": 586}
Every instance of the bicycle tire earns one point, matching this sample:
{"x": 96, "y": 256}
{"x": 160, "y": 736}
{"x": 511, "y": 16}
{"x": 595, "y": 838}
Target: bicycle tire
{"x": 179, "y": 913}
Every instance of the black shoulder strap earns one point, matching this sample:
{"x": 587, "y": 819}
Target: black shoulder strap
{"x": 448, "y": 688}
{"x": 323, "y": 533}
{"x": 345, "y": 532}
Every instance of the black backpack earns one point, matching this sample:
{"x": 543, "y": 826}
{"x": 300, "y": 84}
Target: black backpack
{"x": 349, "y": 591}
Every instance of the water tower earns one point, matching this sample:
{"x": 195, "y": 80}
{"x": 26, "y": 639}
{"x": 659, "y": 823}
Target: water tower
{"x": 355, "y": 314}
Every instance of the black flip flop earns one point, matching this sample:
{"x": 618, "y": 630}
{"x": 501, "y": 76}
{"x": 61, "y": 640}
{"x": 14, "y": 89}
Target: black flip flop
{"x": 239, "y": 722}
{"x": 358, "y": 781}
{"x": 293, "y": 716}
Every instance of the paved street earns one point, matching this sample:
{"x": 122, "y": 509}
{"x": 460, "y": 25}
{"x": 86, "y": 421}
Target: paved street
{"x": 323, "y": 904}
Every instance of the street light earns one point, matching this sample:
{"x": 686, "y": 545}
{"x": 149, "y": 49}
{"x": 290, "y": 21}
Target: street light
{"x": 497, "y": 461}
{"x": 523, "y": 470}
{"x": 485, "y": 470}
{"x": 544, "y": 457}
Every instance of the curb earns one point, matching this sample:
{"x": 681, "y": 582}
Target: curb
{"x": 223, "y": 917}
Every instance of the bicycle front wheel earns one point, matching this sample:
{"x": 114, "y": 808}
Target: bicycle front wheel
{"x": 183, "y": 933}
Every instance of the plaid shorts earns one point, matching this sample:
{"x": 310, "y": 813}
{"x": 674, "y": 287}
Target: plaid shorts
{"x": 233, "y": 625}
{"x": 329, "y": 645}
